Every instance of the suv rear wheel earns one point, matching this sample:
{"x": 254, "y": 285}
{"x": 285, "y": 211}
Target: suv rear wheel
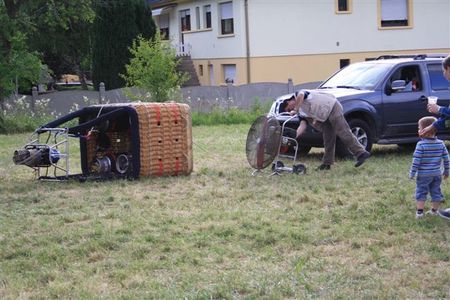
{"x": 303, "y": 150}
{"x": 363, "y": 134}
{"x": 407, "y": 147}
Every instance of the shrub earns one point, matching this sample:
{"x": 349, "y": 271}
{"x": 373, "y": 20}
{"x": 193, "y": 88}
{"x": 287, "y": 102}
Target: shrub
{"x": 152, "y": 68}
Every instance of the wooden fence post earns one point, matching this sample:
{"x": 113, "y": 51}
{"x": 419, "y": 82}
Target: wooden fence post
{"x": 101, "y": 90}
{"x": 34, "y": 95}
{"x": 290, "y": 85}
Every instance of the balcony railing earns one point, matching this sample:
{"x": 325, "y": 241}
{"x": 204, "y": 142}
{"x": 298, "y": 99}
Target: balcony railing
{"x": 183, "y": 49}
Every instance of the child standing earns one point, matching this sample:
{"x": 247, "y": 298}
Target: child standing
{"x": 444, "y": 113}
{"x": 428, "y": 157}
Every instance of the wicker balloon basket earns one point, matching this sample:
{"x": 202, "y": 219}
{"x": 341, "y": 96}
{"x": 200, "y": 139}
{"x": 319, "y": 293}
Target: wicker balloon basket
{"x": 165, "y": 132}
{"x": 154, "y": 138}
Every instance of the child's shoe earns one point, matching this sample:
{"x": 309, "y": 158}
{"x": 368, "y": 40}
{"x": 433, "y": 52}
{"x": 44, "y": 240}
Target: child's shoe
{"x": 419, "y": 214}
{"x": 432, "y": 212}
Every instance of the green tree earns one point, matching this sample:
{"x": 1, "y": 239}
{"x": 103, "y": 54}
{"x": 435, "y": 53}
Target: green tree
{"x": 153, "y": 68}
{"x": 31, "y": 28}
{"x": 116, "y": 25}
{"x": 62, "y": 35}
{"x": 17, "y": 63}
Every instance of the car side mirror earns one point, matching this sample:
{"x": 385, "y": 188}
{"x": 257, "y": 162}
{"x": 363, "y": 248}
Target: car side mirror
{"x": 396, "y": 85}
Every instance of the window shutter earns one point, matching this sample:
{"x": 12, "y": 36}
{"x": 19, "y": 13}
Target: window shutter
{"x": 393, "y": 10}
{"x": 226, "y": 10}
{"x": 164, "y": 21}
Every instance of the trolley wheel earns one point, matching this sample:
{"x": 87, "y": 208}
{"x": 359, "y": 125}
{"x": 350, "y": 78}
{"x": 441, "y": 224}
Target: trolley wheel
{"x": 277, "y": 165}
{"x": 299, "y": 169}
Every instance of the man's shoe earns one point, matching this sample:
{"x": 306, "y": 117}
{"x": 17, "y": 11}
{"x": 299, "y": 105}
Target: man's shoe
{"x": 444, "y": 213}
{"x": 323, "y": 167}
{"x": 362, "y": 158}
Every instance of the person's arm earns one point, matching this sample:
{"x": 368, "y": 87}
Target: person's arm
{"x": 299, "y": 100}
{"x": 301, "y": 128}
{"x": 439, "y": 110}
{"x": 417, "y": 156}
{"x": 445, "y": 159}
{"x": 437, "y": 125}
{"x": 444, "y": 111}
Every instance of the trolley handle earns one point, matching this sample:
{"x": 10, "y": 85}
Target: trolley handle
{"x": 287, "y": 120}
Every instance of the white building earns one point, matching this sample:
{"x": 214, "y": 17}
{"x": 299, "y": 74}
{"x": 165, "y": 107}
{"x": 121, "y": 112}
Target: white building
{"x": 251, "y": 41}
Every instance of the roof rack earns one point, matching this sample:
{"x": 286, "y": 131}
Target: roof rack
{"x": 393, "y": 56}
{"x": 413, "y": 56}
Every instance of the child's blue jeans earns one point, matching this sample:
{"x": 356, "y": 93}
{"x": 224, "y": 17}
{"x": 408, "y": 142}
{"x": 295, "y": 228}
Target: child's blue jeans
{"x": 429, "y": 184}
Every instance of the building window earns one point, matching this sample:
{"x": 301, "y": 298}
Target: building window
{"x": 226, "y": 18}
{"x": 185, "y": 20}
{"x": 197, "y": 18}
{"x": 207, "y": 16}
{"x": 163, "y": 25}
{"x": 229, "y": 73}
{"x": 395, "y": 13}
{"x": 343, "y": 6}
{"x": 200, "y": 70}
{"x": 344, "y": 62}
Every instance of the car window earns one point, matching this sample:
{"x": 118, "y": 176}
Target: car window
{"x": 438, "y": 82}
{"x": 411, "y": 75}
{"x": 362, "y": 76}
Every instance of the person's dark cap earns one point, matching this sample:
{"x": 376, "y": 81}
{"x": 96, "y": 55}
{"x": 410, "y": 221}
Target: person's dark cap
{"x": 305, "y": 94}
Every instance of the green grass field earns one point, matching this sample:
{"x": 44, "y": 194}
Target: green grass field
{"x": 349, "y": 233}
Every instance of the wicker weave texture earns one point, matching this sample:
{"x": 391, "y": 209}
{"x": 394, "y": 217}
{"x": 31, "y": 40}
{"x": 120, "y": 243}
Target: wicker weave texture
{"x": 165, "y": 132}
{"x": 91, "y": 147}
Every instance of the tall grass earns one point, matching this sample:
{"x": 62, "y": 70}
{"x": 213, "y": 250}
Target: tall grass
{"x": 228, "y": 117}
{"x": 19, "y": 123}
{"x": 18, "y": 116}
{"x": 231, "y": 115}
{"x": 19, "y": 119}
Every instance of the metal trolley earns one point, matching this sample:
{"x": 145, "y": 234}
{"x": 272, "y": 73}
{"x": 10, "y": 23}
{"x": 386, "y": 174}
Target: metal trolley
{"x": 287, "y": 141}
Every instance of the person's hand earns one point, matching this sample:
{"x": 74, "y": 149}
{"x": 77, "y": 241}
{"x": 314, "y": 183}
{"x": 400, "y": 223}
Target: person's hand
{"x": 301, "y": 128}
{"x": 292, "y": 112}
{"x": 299, "y": 132}
{"x": 433, "y": 108}
{"x": 426, "y": 130}
{"x": 445, "y": 177}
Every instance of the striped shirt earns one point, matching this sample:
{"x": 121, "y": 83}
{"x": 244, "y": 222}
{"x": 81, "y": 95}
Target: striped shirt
{"x": 428, "y": 157}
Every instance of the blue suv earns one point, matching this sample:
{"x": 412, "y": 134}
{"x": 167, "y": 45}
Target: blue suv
{"x": 382, "y": 99}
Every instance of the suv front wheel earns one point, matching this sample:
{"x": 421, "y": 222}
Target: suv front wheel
{"x": 363, "y": 134}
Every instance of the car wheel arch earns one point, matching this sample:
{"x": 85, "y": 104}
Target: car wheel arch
{"x": 368, "y": 118}
{"x": 365, "y": 126}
